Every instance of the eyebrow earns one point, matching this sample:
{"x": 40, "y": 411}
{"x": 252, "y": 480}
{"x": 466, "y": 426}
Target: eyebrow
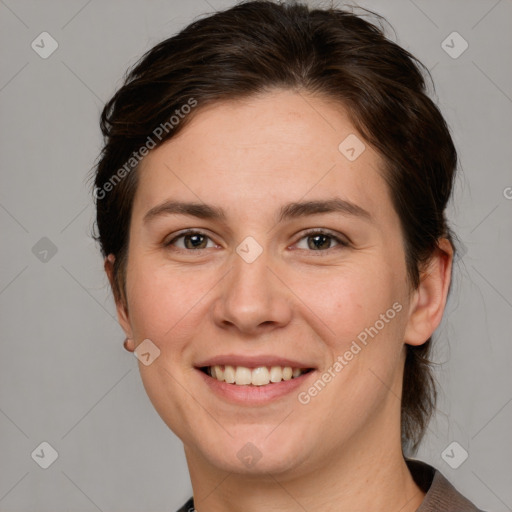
{"x": 287, "y": 212}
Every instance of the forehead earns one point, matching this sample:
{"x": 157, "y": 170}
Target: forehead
{"x": 281, "y": 145}
{"x": 279, "y": 124}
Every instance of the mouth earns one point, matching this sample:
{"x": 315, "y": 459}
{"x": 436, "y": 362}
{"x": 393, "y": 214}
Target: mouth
{"x": 254, "y": 380}
{"x": 258, "y": 376}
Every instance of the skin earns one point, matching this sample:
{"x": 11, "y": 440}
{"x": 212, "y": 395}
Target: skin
{"x": 342, "y": 450}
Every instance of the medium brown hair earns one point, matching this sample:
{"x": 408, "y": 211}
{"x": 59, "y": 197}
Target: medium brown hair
{"x": 258, "y": 46}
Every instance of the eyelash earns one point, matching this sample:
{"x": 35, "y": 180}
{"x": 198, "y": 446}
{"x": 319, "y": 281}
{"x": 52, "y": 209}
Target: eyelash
{"x": 309, "y": 233}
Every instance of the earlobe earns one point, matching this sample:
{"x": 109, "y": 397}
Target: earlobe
{"x": 122, "y": 311}
{"x": 129, "y": 345}
{"x": 429, "y": 299}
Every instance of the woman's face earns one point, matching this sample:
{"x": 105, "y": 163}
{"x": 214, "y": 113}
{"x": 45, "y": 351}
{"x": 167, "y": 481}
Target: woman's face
{"x": 294, "y": 259}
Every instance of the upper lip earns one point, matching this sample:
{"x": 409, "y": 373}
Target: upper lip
{"x": 252, "y": 361}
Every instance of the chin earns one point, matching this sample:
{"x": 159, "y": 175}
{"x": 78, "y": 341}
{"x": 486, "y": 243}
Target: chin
{"x": 256, "y": 453}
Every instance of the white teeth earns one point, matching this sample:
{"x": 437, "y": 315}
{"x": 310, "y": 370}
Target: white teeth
{"x": 218, "y": 373}
{"x": 229, "y": 374}
{"x": 261, "y": 376}
{"x": 276, "y": 374}
{"x": 242, "y": 375}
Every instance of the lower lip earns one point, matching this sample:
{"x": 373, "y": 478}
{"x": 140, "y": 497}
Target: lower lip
{"x": 254, "y": 395}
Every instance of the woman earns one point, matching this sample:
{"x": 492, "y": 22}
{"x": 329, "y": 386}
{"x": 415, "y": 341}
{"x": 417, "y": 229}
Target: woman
{"x": 271, "y": 207}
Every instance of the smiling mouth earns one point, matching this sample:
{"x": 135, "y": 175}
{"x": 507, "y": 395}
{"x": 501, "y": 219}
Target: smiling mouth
{"x": 260, "y": 376}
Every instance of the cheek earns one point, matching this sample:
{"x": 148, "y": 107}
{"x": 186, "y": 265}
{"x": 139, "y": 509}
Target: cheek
{"x": 163, "y": 301}
{"x": 349, "y": 300}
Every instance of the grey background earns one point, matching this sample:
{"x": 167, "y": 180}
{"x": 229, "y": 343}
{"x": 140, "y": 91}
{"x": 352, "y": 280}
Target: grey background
{"x": 64, "y": 375}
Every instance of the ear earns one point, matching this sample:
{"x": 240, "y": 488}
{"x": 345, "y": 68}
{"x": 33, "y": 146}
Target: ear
{"x": 122, "y": 310}
{"x": 429, "y": 299}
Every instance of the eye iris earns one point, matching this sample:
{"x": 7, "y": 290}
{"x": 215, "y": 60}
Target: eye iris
{"x": 317, "y": 243}
{"x": 194, "y": 241}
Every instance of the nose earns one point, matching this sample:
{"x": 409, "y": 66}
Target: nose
{"x": 251, "y": 298}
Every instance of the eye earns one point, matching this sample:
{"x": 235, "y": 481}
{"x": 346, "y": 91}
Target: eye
{"x": 190, "y": 240}
{"x": 320, "y": 240}
{"x": 315, "y": 240}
